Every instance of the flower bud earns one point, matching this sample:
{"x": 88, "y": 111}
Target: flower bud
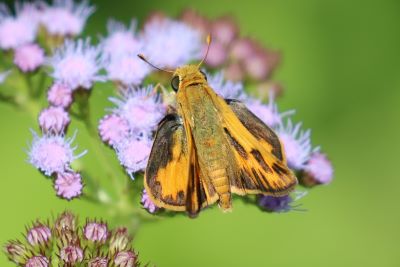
{"x": 120, "y": 239}
{"x": 96, "y": 232}
{"x": 125, "y": 259}
{"x": 66, "y": 220}
{"x": 39, "y": 234}
{"x": 37, "y": 261}
{"x": 318, "y": 170}
{"x": 15, "y": 251}
{"x": 71, "y": 254}
{"x": 98, "y": 262}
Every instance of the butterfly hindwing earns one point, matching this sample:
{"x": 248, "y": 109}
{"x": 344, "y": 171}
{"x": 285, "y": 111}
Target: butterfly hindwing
{"x": 172, "y": 177}
{"x": 259, "y": 154}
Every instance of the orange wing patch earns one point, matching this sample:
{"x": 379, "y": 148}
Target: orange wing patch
{"x": 258, "y": 152}
{"x": 172, "y": 178}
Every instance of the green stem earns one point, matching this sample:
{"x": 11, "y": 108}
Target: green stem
{"x": 39, "y": 88}
{"x": 29, "y": 85}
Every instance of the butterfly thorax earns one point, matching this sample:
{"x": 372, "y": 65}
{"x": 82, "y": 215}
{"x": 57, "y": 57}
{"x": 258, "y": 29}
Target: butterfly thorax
{"x": 196, "y": 107}
{"x": 189, "y": 75}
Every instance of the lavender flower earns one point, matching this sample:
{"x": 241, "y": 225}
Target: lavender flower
{"x": 65, "y": 17}
{"x": 133, "y": 154}
{"x": 147, "y": 203}
{"x": 15, "y": 30}
{"x": 54, "y": 120}
{"x": 217, "y": 54}
{"x": 242, "y": 48}
{"x": 68, "y": 185}
{"x": 121, "y": 40}
{"x": 70, "y": 247}
{"x": 127, "y": 69}
{"x": 318, "y": 169}
{"x": 141, "y": 108}
{"x": 52, "y": 153}
{"x": 225, "y": 30}
{"x": 77, "y": 64}
{"x": 29, "y": 57}
{"x": 268, "y": 113}
{"x": 297, "y": 144}
{"x": 226, "y": 89}
{"x": 37, "y": 261}
{"x": 169, "y": 43}
{"x": 39, "y": 234}
{"x": 279, "y": 204}
{"x": 60, "y": 95}
{"x": 113, "y": 129}
{"x": 96, "y": 231}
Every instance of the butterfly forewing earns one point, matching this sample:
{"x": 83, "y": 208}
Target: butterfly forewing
{"x": 172, "y": 179}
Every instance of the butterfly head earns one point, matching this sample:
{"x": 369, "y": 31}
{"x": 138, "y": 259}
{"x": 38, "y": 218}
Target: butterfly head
{"x": 186, "y": 75}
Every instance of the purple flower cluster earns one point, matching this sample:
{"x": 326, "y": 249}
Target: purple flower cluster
{"x": 76, "y": 65}
{"x": 64, "y": 241}
{"x": 241, "y": 57}
{"x": 19, "y": 30}
{"x": 131, "y": 125}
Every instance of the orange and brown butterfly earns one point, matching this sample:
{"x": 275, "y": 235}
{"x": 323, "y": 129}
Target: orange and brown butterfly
{"x": 210, "y": 148}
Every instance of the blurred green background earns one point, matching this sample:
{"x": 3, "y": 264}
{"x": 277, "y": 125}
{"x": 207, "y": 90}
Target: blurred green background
{"x": 341, "y": 72}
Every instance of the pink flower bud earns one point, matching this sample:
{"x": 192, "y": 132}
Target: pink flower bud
{"x": 39, "y": 234}
{"x": 68, "y": 185}
{"x": 96, "y": 232}
{"x": 71, "y": 254}
{"x": 217, "y": 54}
{"x": 37, "y": 261}
{"x": 125, "y": 259}
{"x": 29, "y": 57}
{"x": 60, "y": 95}
{"x": 224, "y": 30}
{"x": 54, "y": 119}
{"x": 98, "y": 262}
{"x": 120, "y": 239}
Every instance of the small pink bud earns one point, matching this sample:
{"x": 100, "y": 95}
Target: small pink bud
{"x": 217, "y": 54}
{"x": 29, "y": 57}
{"x": 39, "y": 234}
{"x": 54, "y": 120}
{"x": 96, "y": 232}
{"x": 60, "y": 95}
{"x": 16, "y": 251}
{"x": 120, "y": 239}
{"x": 194, "y": 19}
{"x": 65, "y": 220}
{"x": 224, "y": 30}
{"x": 243, "y": 48}
{"x": 125, "y": 259}
{"x": 98, "y": 262}
{"x": 68, "y": 185}
{"x": 71, "y": 254}
{"x": 234, "y": 72}
{"x": 37, "y": 261}
{"x": 257, "y": 66}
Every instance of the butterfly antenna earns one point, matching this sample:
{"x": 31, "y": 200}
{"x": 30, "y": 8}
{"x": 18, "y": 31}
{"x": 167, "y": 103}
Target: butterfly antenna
{"x": 154, "y": 66}
{"x": 208, "y": 49}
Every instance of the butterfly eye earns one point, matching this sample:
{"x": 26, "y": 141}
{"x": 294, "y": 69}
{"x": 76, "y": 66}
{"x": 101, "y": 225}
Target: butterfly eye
{"x": 205, "y": 76}
{"x": 175, "y": 83}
